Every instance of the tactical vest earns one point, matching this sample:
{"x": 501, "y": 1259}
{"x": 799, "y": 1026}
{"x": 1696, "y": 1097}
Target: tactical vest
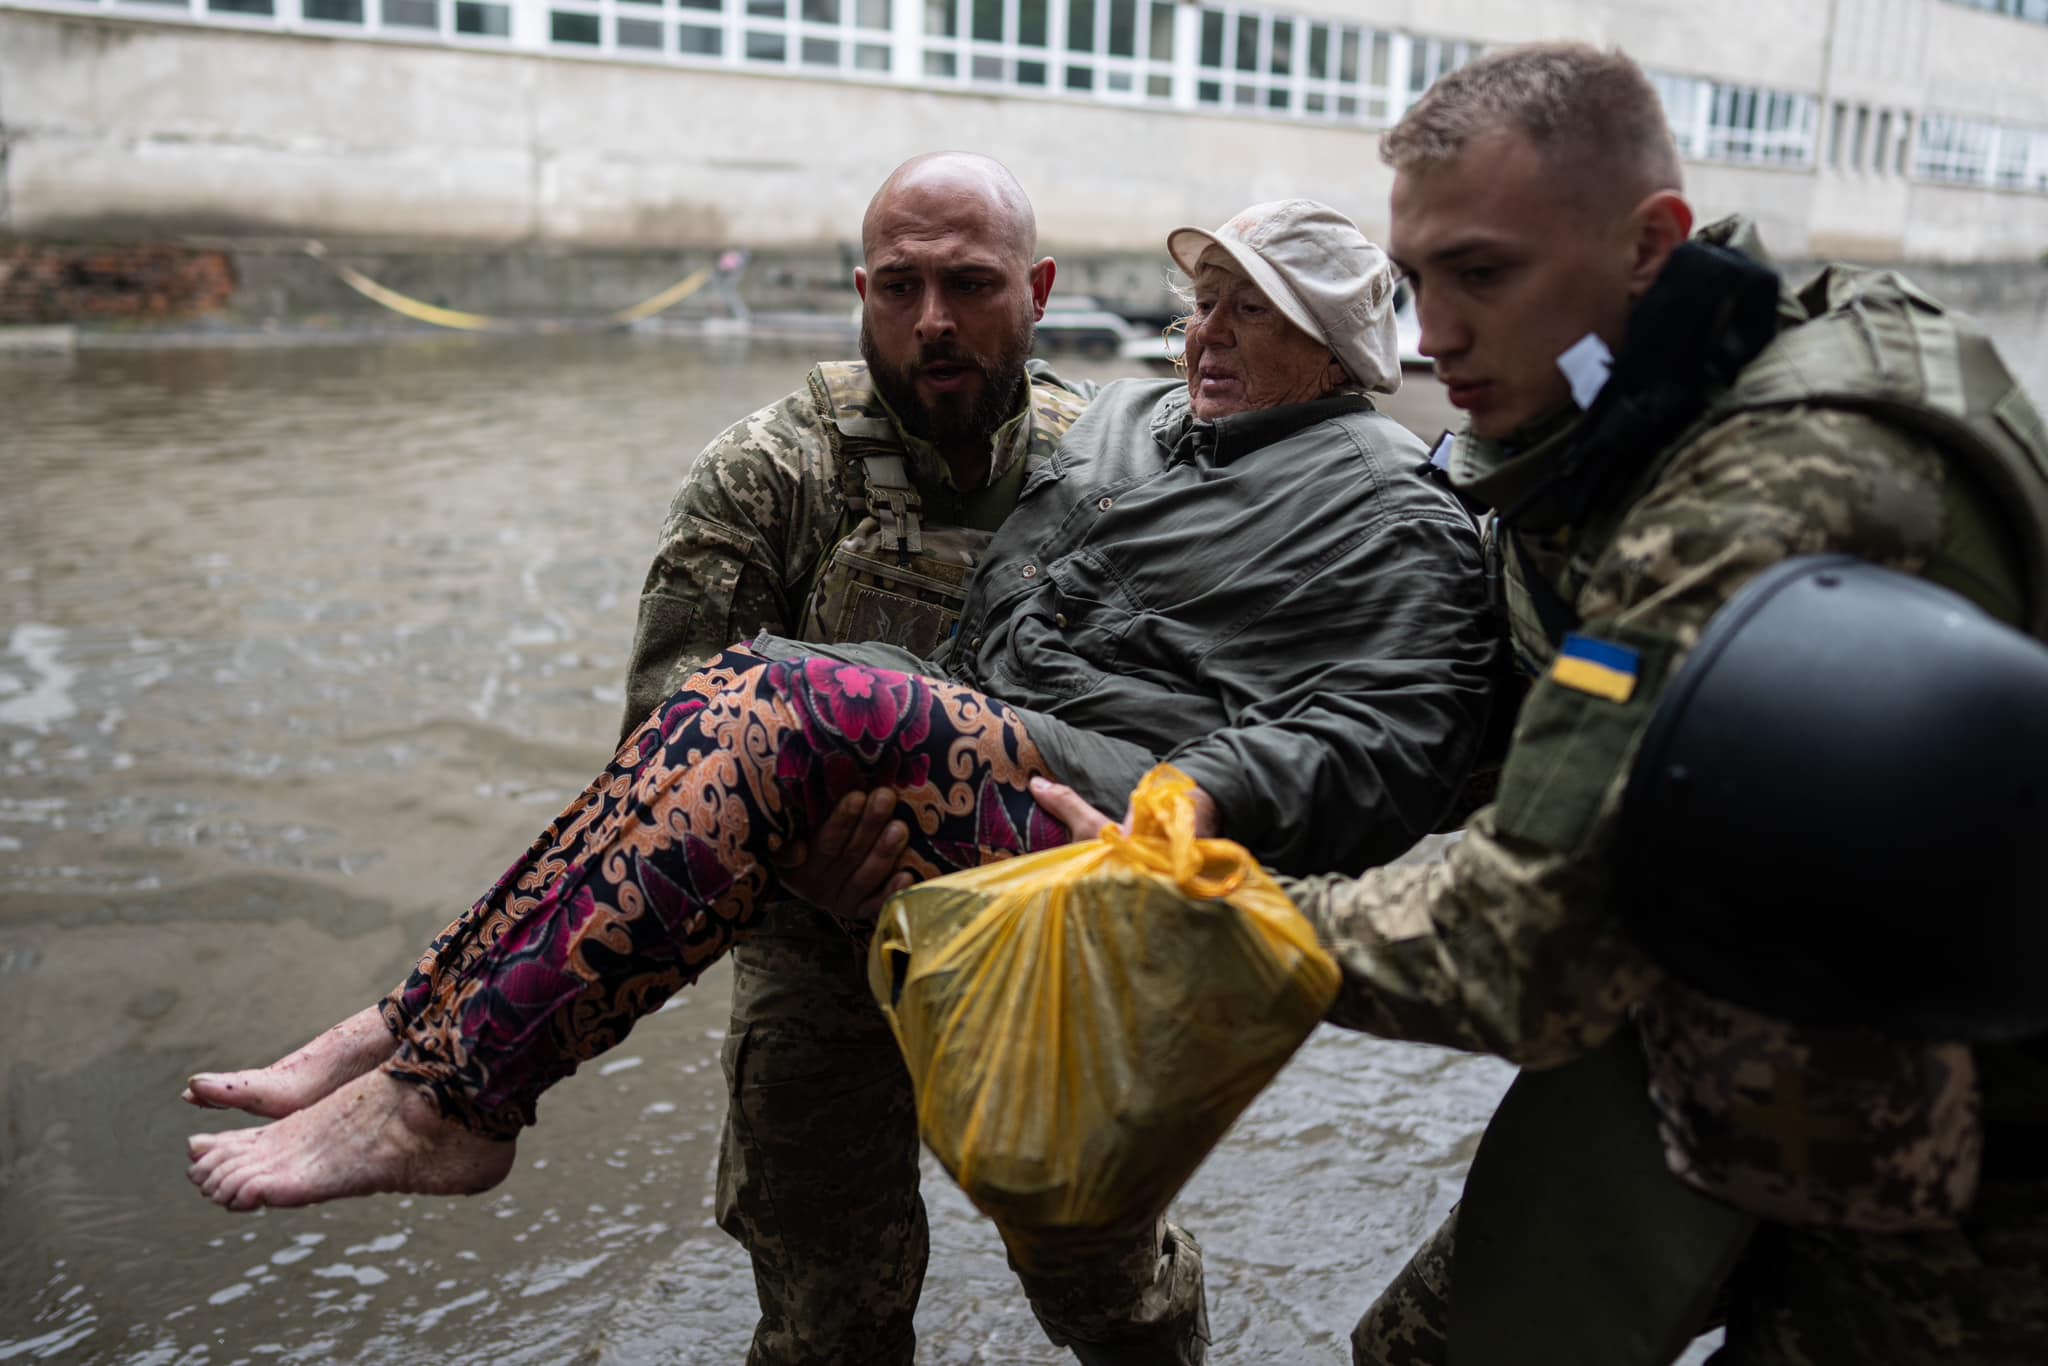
{"x": 1875, "y": 344}
{"x": 899, "y": 571}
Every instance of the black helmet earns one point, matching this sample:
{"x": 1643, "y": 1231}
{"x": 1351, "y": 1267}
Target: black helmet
{"x": 1839, "y": 813}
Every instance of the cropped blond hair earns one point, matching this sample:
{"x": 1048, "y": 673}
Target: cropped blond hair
{"x": 1592, "y": 115}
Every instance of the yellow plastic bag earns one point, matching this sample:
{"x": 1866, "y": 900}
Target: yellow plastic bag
{"x": 1082, "y": 1025}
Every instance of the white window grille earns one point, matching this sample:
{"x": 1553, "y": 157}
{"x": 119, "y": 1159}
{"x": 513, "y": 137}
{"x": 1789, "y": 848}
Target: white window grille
{"x": 1119, "y": 50}
{"x": 1970, "y": 151}
{"x": 1255, "y": 60}
{"x": 822, "y": 36}
{"x": 1431, "y": 59}
{"x": 1115, "y": 49}
{"x": 1715, "y": 121}
{"x": 1955, "y": 149}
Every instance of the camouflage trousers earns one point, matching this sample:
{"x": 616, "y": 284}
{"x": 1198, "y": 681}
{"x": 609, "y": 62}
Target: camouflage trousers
{"x": 818, "y": 1179}
{"x": 1974, "y": 1296}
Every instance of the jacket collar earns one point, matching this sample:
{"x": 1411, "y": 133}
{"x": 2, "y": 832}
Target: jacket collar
{"x": 1218, "y": 442}
{"x": 1006, "y": 447}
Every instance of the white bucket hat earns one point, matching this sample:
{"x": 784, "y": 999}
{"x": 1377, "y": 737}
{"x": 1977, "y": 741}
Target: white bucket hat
{"x": 1320, "y": 272}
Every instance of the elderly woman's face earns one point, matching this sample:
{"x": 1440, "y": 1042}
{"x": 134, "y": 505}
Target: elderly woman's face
{"x": 1243, "y": 354}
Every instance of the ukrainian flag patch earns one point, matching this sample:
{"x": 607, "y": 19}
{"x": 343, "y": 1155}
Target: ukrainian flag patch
{"x": 1599, "y": 667}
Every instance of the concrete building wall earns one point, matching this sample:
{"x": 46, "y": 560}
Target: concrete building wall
{"x": 1978, "y": 62}
{"x": 125, "y": 127}
{"x": 1700, "y": 40}
{"x": 117, "y": 127}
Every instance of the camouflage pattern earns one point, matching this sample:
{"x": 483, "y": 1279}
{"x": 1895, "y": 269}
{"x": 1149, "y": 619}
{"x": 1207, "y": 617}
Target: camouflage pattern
{"x": 1836, "y": 1127}
{"x": 762, "y": 509}
{"x": 1508, "y": 946}
{"x": 900, "y": 574}
{"x": 821, "y": 1119}
{"x": 1976, "y": 1293}
{"x": 1407, "y": 1325}
{"x": 818, "y": 1170}
{"x": 867, "y": 591}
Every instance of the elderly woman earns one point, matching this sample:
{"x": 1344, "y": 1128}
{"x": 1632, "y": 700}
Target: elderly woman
{"x": 1250, "y": 576}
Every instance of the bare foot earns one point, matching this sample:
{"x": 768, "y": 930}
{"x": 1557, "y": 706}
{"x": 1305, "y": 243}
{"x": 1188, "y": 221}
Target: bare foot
{"x": 298, "y": 1079}
{"x": 375, "y": 1134}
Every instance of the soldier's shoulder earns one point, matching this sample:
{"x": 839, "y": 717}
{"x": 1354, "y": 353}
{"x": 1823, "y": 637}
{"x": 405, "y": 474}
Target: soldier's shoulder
{"x": 1802, "y": 447}
{"x": 784, "y": 439}
{"x": 1055, "y": 407}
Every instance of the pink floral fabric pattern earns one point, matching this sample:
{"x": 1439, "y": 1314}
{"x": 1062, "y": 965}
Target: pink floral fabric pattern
{"x": 648, "y": 876}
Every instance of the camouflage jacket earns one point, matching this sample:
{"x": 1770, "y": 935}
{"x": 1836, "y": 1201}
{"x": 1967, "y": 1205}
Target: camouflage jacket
{"x": 1509, "y": 945}
{"x": 759, "y": 512}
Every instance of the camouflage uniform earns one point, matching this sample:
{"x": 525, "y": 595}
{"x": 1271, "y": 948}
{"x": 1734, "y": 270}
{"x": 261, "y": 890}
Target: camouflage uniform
{"x": 1510, "y": 946}
{"x": 818, "y": 1173}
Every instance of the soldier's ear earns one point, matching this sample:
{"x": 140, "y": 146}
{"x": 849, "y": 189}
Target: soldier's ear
{"x": 1658, "y": 226}
{"x": 1042, "y": 272}
{"x": 860, "y": 282}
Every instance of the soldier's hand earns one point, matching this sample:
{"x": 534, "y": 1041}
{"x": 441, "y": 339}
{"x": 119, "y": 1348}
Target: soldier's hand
{"x": 848, "y": 867}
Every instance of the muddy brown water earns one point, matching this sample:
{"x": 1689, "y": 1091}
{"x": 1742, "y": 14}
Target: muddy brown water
{"x": 298, "y": 647}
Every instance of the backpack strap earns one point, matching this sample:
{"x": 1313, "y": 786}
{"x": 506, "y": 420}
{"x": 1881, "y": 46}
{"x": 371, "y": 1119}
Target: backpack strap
{"x": 1877, "y": 345}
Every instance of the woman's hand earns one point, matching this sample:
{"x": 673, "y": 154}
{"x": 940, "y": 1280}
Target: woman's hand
{"x": 1068, "y": 807}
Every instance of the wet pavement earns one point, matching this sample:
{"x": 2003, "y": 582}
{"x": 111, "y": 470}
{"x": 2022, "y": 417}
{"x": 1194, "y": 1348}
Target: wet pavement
{"x": 298, "y": 648}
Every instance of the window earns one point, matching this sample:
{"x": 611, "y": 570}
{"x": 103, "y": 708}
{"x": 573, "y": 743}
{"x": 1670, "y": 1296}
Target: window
{"x": 1978, "y": 151}
{"x": 1955, "y": 149}
{"x": 1121, "y": 49}
{"x": 832, "y": 36}
{"x": 1713, "y": 121}
{"x": 2035, "y": 10}
{"x": 1255, "y": 60}
{"x": 1431, "y": 59}
{"x": 411, "y": 14}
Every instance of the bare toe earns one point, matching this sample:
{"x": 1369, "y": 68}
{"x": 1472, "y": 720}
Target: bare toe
{"x": 375, "y": 1134}
{"x": 239, "y": 1189}
{"x": 302, "y": 1078}
{"x": 211, "y": 1179}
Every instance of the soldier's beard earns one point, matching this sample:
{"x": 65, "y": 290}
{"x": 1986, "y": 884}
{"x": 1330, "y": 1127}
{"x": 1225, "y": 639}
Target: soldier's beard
{"x": 954, "y": 418}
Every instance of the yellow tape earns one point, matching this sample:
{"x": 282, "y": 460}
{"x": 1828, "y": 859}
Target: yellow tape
{"x": 421, "y": 311}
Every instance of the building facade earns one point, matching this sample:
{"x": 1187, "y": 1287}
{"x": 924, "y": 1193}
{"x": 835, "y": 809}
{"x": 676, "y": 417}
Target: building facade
{"x": 1882, "y": 129}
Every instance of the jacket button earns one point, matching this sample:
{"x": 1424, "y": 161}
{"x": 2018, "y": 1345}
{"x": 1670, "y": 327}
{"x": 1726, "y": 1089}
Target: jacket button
{"x": 1104, "y": 504}
{"x": 1059, "y": 619}
{"x": 1030, "y": 571}
{"x": 974, "y": 644}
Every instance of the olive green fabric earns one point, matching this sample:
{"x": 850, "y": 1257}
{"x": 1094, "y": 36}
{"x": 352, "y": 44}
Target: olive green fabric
{"x": 1282, "y": 604}
{"x": 1572, "y": 1163}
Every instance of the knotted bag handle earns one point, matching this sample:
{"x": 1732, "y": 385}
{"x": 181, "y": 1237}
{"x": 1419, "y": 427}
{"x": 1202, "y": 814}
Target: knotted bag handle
{"x": 1162, "y": 838}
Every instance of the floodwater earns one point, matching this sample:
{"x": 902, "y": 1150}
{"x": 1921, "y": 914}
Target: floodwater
{"x": 298, "y": 648}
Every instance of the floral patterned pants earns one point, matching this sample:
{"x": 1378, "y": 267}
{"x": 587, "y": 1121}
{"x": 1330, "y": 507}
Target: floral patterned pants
{"x": 643, "y": 882}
